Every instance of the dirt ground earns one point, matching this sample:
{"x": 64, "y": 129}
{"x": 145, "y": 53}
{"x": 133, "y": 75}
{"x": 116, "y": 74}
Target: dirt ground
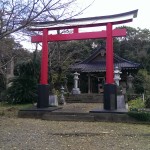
{"x": 35, "y": 134}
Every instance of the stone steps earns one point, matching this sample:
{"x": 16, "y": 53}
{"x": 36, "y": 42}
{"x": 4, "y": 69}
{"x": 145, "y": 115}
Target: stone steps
{"x": 85, "y": 98}
{"x": 88, "y": 117}
{"x": 58, "y": 115}
{"x": 68, "y": 116}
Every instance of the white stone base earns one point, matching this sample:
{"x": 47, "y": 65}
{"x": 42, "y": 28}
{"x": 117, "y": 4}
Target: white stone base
{"x": 53, "y": 100}
{"x": 76, "y": 91}
{"x": 121, "y": 102}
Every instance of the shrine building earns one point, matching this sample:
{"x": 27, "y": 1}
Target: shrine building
{"x": 93, "y": 71}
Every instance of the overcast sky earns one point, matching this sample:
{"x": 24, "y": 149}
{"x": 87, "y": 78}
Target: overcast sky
{"x": 110, "y": 7}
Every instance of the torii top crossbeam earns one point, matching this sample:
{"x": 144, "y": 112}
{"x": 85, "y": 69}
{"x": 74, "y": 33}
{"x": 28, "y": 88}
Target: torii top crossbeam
{"x": 85, "y": 22}
{"x": 75, "y": 24}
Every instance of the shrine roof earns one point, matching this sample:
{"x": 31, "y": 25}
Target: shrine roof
{"x": 97, "y": 63}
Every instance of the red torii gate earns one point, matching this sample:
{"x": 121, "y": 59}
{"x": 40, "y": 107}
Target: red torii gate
{"x": 108, "y": 21}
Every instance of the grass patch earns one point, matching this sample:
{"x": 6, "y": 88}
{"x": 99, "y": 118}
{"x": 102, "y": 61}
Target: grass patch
{"x": 11, "y": 110}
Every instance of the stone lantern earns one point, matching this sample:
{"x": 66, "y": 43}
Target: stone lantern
{"x": 117, "y": 73}
{"x": 129, "y": 81}
{"x": 62, "y": 98}
{"x": 76, "y": 90}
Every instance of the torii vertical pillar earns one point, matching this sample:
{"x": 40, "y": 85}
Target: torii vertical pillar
{"x": 110, "y": 92}
{"x": 43, "y": 87}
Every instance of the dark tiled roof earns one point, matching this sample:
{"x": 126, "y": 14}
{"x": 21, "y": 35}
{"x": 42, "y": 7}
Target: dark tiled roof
{"x": 89, "y": 65}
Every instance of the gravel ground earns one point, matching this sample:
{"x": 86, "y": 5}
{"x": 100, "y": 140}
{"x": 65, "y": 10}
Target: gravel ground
{"x": 35, "y": 134}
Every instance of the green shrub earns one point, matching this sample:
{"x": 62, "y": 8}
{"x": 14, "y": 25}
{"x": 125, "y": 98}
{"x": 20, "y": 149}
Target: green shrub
{"x": 136, "y": 104}
{"x": 23, "y": 90}
{"x": 147, "y": 102}
{"x": 140, "y": 115}
{"x": 23, "y": 87}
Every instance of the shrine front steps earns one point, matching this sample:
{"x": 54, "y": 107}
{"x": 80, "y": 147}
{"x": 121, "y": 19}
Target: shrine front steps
{"x": 84, "y": 98}
{"x": 68, "y": 116}
{"x": 77, "y": 116}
